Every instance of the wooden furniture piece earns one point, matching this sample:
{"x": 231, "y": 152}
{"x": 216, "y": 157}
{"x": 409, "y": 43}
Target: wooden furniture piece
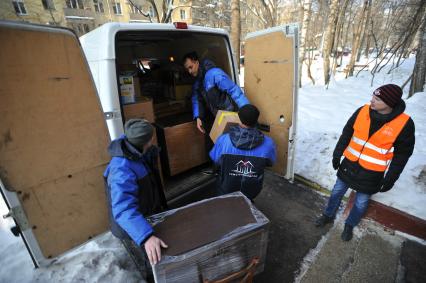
{"x": 182, "y": 146}
{"x": 220, "y": 240}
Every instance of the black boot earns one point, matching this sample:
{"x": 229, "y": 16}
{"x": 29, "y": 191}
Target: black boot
{"x": 323, "y": 220}
{"x": 347, "y": 233}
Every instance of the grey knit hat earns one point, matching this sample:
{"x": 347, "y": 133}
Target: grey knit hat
{"x": 138, "y": 131}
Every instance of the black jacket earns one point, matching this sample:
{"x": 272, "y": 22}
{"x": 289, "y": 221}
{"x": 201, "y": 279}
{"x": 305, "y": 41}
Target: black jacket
{"x": 242, "y": 155}
{"x": 368, "y": 181}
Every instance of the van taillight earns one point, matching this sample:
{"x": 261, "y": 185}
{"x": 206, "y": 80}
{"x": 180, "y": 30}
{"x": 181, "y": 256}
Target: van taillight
{"x": 181, "y": 25}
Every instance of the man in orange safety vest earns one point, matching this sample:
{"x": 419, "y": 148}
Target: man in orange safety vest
{"x": 376, "y": 144}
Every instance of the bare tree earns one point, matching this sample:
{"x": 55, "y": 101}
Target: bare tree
{"x": 416, "y": 25}
{"x": 419, "y": 72}
{"x": 405, "y": 35}
{"x": 329, "y": 38}
{"x": 307, "y": 4}
{"x": 364, "y": 32}
{"x": 162, "y": 16}
{"x": 266, "y": 11}
{"x": 338, "y": 36}
{"x": 235, "y": 29}
{"x": 357, "y": 37}
{"x": 311, "y": 43}
{"x": 144, "y": 13}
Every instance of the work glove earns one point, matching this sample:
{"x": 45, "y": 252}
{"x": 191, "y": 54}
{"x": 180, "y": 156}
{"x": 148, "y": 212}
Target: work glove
{"x": 386, "y": 184}
{"x": 336, "y": 162}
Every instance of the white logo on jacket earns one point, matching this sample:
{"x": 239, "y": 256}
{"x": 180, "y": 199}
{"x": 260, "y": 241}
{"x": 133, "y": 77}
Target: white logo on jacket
{"x": 243, "y": 169}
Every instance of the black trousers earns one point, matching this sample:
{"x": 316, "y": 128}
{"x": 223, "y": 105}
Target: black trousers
{"x": 140, "y": 259}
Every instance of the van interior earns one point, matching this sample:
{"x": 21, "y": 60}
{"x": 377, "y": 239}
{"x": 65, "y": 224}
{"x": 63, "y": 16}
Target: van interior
{"x": 155, "y": 61}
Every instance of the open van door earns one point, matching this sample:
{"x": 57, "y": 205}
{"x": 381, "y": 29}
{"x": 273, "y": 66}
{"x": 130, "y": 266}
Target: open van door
{"x": 270, "y": 83}
{"x": 53, "y": 140}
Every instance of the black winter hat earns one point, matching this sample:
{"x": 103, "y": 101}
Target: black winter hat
{"x": 390, "y": 94}
{"x": 248, "y": 115}
{"x": 138, "y": 132}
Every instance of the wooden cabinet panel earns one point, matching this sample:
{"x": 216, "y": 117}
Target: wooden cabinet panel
{"x": 183, "y": 147}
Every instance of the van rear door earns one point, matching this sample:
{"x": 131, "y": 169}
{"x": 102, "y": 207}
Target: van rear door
{"x": 270, "y": 83}
{"x": 53, "y": 140}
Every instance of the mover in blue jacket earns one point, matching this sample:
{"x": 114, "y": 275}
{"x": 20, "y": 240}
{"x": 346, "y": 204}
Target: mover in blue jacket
{"x": 242, "y": 155}
{"x": 134, "y": 188}
{"x": 212, "y": 88}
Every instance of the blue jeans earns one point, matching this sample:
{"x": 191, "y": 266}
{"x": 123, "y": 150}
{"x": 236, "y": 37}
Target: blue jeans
{"x": 357, "y": 211}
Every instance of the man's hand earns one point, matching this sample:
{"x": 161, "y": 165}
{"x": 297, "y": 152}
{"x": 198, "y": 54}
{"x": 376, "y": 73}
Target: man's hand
{"x": 336, "y": 162}
{"x": 386, "y": 185}
{"x": 153, "y": 249}
{"x": 200, "y": 126}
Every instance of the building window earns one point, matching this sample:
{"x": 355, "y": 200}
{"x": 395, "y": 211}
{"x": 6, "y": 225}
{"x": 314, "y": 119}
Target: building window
{"x": 182, "y": 14}
{"x": 48, "y": 4}
{"x": 116, "y": 7}
{"x": 19, "y": 7}
{"x": 74, "y": 4}
{"x": 86, "y": 28}
{"x": 99, "y": 6}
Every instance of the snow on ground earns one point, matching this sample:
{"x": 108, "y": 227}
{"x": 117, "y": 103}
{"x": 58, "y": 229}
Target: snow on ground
{"x": 321, "y": 117}
{"x": 102, "y": 260}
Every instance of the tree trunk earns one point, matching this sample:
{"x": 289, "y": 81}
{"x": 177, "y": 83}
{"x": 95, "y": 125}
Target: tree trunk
{"x": 365, "y": 34}
{"x": 339, "y": 32}
{"x": 417, "y": 22}
{"x": 367, "y": 45}
{"x": 357, "y": 38}
{"x": 419, "y": 72}
{"x": 329, "y": 38}
{"x": 364, "y": 31}
{"x": 235, "y": 30}
{"x": 323, "y": 10}
{"x": 345, "y": 38}
{"x": 307, "y": 4}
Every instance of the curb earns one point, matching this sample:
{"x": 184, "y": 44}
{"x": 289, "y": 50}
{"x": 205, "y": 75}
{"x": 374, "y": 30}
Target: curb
{"x": 391, "y": 218}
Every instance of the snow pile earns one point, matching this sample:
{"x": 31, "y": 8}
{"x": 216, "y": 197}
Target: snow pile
{"x": 102, "y": 260}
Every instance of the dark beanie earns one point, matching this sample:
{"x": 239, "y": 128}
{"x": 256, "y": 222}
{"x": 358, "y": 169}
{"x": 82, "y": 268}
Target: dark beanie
{"x": 248, "y": 115}
{"x": 138, "y": 131}
{"x": 390, "y": 94}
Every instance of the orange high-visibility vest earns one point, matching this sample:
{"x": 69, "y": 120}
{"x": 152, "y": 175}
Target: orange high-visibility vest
{"x": 375, "y": 152}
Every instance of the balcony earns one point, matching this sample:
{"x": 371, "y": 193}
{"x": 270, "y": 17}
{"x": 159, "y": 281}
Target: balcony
{"x": 79, "y": 13}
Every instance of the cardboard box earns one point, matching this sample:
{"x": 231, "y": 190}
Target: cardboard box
{"x": 211, "y": 239}
{"x": 182, "y": 91}
{"x": 142, "y": 108}
{"x": 223, "y": 121}
{"x": 130, "y": 88}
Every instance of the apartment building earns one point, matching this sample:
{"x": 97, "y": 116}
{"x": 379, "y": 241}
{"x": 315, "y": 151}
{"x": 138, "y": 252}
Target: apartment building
{"x": 80, "y": 15}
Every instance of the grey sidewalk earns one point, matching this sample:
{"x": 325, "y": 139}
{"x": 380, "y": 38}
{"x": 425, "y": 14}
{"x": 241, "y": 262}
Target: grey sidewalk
{"x": 297, "y": 250}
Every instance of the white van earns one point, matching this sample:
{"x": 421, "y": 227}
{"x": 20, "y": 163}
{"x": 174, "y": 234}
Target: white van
{"x": 62, "y": 103}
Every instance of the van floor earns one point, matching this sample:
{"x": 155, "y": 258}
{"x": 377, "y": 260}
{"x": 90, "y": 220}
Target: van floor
{"x": 300, "y": 252}
{"x": 193, "y": 184}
